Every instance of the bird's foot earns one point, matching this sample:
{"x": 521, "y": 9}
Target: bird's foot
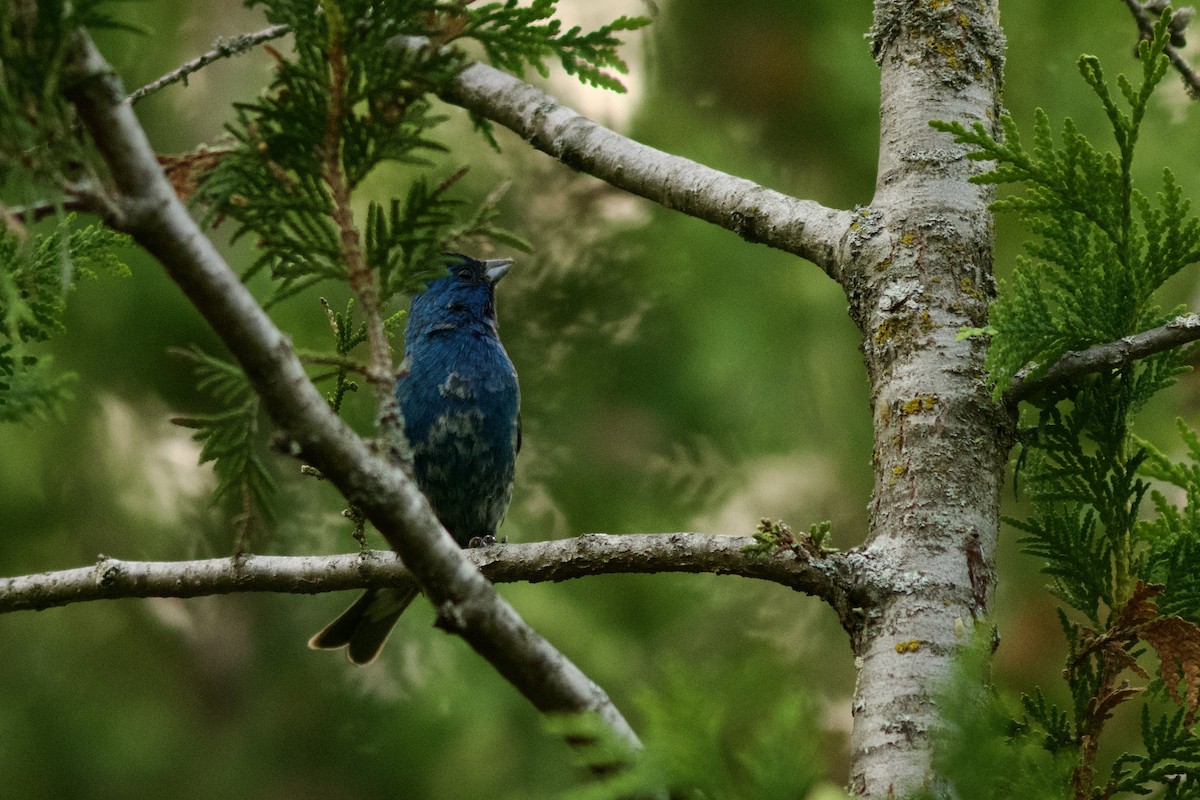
{"x": 481, "y": 541}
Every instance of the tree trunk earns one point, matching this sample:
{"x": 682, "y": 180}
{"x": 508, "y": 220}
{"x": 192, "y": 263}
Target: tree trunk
{"x": 919, "y": 268}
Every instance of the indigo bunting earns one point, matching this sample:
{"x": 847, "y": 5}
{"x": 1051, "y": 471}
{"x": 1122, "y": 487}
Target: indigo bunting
{"x": 461, "y": 408}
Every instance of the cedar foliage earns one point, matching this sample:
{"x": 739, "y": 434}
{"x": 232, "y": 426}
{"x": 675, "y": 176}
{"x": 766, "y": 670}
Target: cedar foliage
{"x": 1125, "y": 574}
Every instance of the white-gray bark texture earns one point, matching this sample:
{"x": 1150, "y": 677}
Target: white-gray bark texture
{"x": 920, "y": 269}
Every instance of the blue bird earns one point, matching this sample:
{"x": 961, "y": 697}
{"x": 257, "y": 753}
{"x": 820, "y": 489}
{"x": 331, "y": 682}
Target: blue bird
{"x": 461, "y": 407}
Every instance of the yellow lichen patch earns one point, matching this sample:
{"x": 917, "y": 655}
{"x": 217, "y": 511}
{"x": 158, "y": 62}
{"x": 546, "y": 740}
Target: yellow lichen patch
{"x": 949, "y": 50}
{"x": 919, "y": 404}
{"x": 899, "y": 470}
{"x": 901, "y": 328}
{"x": 911, "y": 646}
{"x": 968, "y": 286}
{"x": 908, "y": 238}
{"x": 887, "y": 330}
{"x": 884, "y": 264}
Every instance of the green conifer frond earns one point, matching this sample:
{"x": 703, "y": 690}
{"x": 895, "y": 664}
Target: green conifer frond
{"x": 291, "y": 140}
{"x": 513, "y": 35}
{"x": 1103, "y": 247}
{"x": 35, "y": 277}
{"x": 231, "y": 439}
{"x": 32, "y": 390}
{"x": 1054, "y": 722}
{"x": 404, "y": 245}
{"x": 1172, "y": 536}
{"x": 1172, "y": 759}
{"x": 354, "y": 95}
{"x": 1075, "y": 556}
{"x": 346, "y": 337}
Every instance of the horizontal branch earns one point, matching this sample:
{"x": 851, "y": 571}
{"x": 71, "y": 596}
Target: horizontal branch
{"x": 755, "y": 213}
{"x": 825, "y": 576}
{"x": 1111, "y": 355}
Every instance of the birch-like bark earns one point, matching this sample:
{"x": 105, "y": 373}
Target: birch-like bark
{"x": 922, "y": 269}
{"x": 824, "y": 575}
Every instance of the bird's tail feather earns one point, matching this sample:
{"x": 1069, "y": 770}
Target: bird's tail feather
{"x": 364, "y": 627}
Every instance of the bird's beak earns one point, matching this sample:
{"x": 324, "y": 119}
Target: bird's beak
{"x": 496, "y": 268}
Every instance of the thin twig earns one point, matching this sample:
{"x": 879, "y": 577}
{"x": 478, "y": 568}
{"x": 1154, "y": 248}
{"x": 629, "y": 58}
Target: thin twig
{"x": 38, "y": 211}
{"x": 1145, "y": 24}
{"x": 362, "y": 280}
{"x": 1111, "y": 355}
{"x": 324, "y": 359}
{"x": 223, "y": 49}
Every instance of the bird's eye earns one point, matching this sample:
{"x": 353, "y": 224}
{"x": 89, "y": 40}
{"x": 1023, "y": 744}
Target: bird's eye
{"x": 464, "y": 272}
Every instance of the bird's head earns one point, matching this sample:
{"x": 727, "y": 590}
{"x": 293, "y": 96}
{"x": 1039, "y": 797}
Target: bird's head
{"x": 464, "y": 295}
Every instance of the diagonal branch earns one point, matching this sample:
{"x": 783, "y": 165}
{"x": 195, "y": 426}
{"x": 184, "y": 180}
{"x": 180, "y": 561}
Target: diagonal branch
{"x": 826, "y": 576}
{"x": 1111, "y": 355}
{"x": 466, "y": 602}
{"x": 222, "y": 49}
{"x": 755, "y": 213}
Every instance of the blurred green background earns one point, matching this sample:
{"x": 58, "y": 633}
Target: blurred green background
{"x": 674, "y": 378}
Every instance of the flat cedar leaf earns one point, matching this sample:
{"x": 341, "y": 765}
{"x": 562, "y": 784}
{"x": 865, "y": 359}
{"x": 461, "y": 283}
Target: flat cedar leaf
{"x": 230, "y": 437}
{"x": 36, "y": 276}
{"x": 1102, "y": 248}
{"x": 1177, "y": 643}
{"x": 1104, "y": 705}
{"x": 1113, "y": 648}
{"x": 1140, "y": 609}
